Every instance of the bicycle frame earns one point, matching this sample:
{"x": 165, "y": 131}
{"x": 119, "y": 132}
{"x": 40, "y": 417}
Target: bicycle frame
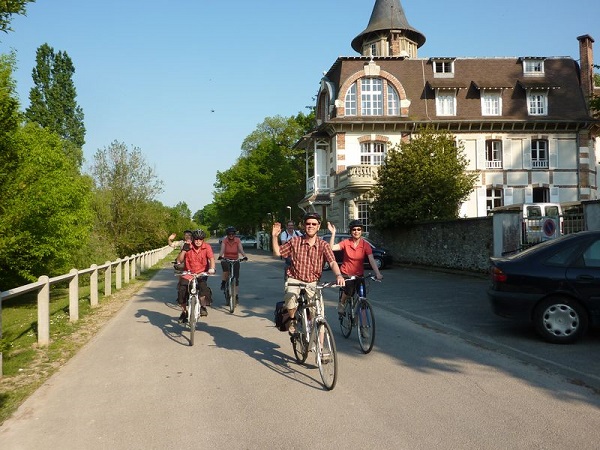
{"x": 231, "y": 288}
{"x": 315, "y": 334}
{"x": 359, "y": 314}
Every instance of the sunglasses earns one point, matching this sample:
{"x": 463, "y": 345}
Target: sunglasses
{"x": 357, "y": 229}
{"x": 311, "y": 224}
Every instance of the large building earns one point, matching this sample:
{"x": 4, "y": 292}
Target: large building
{"x": 524, "y": 122}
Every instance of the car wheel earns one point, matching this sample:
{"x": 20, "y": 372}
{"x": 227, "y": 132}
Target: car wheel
{"x": 379, "y": 262}
{"x": 560, "y": 320}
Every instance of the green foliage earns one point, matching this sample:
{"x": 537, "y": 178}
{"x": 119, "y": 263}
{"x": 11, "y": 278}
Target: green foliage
{"x": 9, "y": 122}
{"x": 124, "y": 200}
{"x": 53, "y": 102}
{"x": 423, "y": 180}
{"x": 268, "y": 176}
{"x": 595, "y": 100}
{"x": 46, "y": 209}
{"x": 10, "y": 7}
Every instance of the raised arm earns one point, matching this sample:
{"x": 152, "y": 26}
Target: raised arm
{"x": 332, "y": 229}
{"x": 275, "y": 241}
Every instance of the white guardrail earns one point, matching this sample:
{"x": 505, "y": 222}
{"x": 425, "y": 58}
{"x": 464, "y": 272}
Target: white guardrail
{"x": 125, "y": 269}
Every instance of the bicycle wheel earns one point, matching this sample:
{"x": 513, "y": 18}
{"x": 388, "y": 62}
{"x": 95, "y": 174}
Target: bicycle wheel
{"x": 326, "y": 355}
{"x": 346, "y": 319}
{"x": 231, "y": 291}
{"x": 366, "y": 326}
{"x": 192, "y": 316}
{"x": 300, "y": 342}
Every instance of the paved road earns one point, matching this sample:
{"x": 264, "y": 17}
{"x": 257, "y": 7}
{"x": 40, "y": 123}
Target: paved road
{"x": 138, "y": 384}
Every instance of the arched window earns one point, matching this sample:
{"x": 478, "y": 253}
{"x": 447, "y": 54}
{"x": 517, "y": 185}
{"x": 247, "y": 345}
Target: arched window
{"x": 393, "y": 101}
{"x": 350, "y": 101}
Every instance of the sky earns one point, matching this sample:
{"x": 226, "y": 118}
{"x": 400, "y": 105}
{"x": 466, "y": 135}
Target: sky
{"x": 186, "y": 81}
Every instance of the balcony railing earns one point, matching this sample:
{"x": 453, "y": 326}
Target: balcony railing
{"x": 357, "y": 177}
{"x": 321, "y": 184}
{"x": 493, "y": 164}
{"x": 539, "y": 164}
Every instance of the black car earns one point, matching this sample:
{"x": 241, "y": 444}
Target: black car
{"x": 555, "y": 285}
{"x": 382, "y": 257}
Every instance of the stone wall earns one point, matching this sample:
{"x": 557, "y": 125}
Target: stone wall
{"x": 463, "y": 244}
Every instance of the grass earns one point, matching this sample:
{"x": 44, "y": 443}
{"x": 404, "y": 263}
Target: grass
{"x": 26, "y": 366}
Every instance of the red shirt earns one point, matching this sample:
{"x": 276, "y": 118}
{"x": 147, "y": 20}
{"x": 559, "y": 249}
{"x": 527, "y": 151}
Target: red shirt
{"x": 197, "y": 259}
{"x": 231, "y": 247}
{"x": 354, "y": 258}
{"x": 307, "y": 260}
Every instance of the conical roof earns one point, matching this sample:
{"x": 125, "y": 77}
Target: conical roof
{"x": 388, "y": 15}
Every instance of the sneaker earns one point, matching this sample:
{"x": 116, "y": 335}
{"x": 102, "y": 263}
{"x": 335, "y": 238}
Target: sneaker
{"x": 203, "y": 311}
{"x": 292, "y": 327}
{"x": 183, "y": 318}
{"x": 222, "y": 285}
{"x": 364, "y": 332}
{"x": 341, "y": 308}
{"x": 325, "y": 357}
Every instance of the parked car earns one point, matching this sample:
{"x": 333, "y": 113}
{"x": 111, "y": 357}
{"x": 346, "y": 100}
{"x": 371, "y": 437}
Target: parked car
{"x": 247, "y": 240}
{"x": 554, "y": 284}
{"x": 382, "y": 257}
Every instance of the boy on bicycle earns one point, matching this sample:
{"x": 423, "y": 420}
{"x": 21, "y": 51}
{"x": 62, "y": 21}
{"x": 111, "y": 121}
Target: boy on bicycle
{"x": 308, "y": 254}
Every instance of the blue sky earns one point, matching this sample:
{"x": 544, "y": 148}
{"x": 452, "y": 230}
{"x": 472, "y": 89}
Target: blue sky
{"x": 150, "y": 73}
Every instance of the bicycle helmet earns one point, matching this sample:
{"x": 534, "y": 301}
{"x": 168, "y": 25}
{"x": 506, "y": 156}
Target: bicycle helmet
{"x": 312, "y": 215}
{"x": 230, "y": 230}
{"x": 198, "y": 234}
{"x": 355, "y": 223}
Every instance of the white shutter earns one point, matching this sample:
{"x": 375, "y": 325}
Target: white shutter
{"x": 506, "y": 154}
{"x": 552, "y": 154}
{"x": 554, "y": 194}
{"x": 528, "y": 194}
{"x": 481, "y": 202}
{"x": 508, "y": 196}
{"x": 527, "y": 157}
{"x": 481, "y": 154}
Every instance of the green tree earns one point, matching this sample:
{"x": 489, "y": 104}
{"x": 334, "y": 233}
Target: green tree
{"x": 10, "y": 7}
{"x": 53, "y": 102}
{"x": 9, "y": 123}
{"x": 46, "y": 212}
{"x": 124, "y": 201}
{"x": 268, "y": 176}
{"x": 595, "y": 100}
{"x": 425, "y": 179}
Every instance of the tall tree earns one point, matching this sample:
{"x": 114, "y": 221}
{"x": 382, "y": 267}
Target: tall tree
{"x": 125, "y": 204}
{"x": 424, "y": 179}
{"x": 9, "y": 122}
{"x": 53, "y": 102}
{"x": 10, "y": 7}
{"x": 46, "y": 212}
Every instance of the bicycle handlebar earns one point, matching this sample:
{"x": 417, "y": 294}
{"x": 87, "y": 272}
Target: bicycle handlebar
{"x": 197, "y": 275}
{"x": 369, "y": 276}
{"x": 245, "y": 258}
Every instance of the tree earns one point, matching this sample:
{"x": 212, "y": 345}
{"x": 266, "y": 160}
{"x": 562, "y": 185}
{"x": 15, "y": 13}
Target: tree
{"x": 425, "y": 179}
{"x": 46, "y": 213}
{"x": 53, "y": 102}
{"x": 125, "y": 206}
{"x": 10, "y": 7}
{"x": 9, "y": 123}
{"x": 595, "y": 100}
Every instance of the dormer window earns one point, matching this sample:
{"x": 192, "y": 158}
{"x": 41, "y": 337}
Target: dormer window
{"x": 443, "y": 68}
{"x": 533, "y": 67}
{"x": 445, "y": 102}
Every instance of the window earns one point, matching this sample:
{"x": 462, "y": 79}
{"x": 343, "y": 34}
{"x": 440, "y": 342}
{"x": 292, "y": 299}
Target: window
{"x": 539, "y": 154}
{"x": 372, "y": 153}
{"x": 445, "y": 103}
{"x": 533, "y": 67}
{"x": 537, "y": 103}
{"x": 373, "y": 49}
{"x": 393, "y": 102}
{"x": 443, "y": 69}
{"x": 493, "y": 154}
{"x": 362, "y": 210}
{"x": 350, "y": 101}
{"x": 493, "y": 198}
{"x": 491, "y": 103}
{"x": 371, "y": 97}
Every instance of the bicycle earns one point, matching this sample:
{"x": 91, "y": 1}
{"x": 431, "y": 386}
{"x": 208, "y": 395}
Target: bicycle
{"x": 193, "y": 302}
{"x": 314, "y": 334}
{"x": 231, "y": 287}
{"x": 359, "y": 313}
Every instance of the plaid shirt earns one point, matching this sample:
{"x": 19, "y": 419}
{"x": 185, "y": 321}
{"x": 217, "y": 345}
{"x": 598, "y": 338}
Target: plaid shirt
{"x": 307, "y": 260}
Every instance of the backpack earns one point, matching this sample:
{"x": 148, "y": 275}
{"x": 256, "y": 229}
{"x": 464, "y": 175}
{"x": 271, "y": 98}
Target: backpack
{"x": 281, "y": 317}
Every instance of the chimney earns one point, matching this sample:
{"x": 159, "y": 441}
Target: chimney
{"x": 586, "y": 61}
